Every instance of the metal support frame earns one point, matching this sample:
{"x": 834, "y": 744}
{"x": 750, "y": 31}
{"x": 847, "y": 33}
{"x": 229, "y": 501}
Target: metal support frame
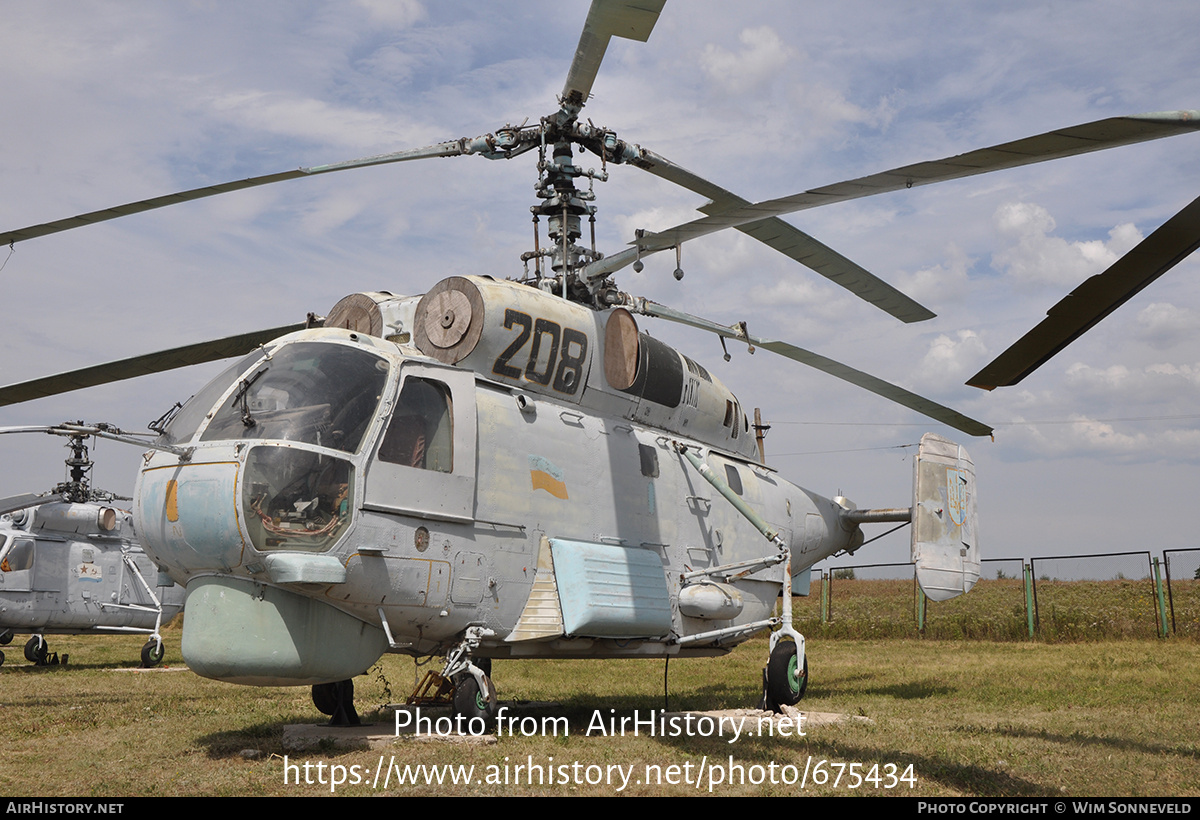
{"x": 458, "y": 659}
{"x": 734, "y": 571}
{"x": 718, "y": 635}
{"x": 156, "y": 609}
{"x": 786, "y": 630}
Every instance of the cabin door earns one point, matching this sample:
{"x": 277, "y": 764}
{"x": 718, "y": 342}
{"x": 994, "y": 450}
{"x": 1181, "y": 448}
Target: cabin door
{"x": 424, "y": 462}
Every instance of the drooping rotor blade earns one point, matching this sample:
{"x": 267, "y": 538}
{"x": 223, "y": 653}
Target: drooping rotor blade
{"x": 159, "y": 362}
{"x": 21, "y": 502}
{"x": 453, "y": 148}
{"x": 1097, "y": 297}
{"x": 27, "y": 428}
{"x": 631, "y": 19}
{"x": 911, "y": 400}
{"x": 1080, "y": 139}
{"x": 793, "y": 243}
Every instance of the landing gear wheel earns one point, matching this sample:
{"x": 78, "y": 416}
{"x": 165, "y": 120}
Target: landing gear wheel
{"x": 6, "y": 637}
{"x": 1, "y": 659}
{"x": 785, "y": 680}
{"x": 324, "y": 698}
{"x": 152, "y": 654}
{"x": 36, "y": 650}
{"x": 337, "y": 701}
{"x": 470, "y": 702}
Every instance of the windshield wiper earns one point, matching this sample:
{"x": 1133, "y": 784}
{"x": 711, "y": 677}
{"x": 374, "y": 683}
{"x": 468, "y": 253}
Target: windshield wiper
{"x": 242, "y": 397}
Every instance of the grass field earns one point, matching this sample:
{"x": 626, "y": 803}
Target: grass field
{"x": 995, "y": 610}
{"x": 977, "y": 718}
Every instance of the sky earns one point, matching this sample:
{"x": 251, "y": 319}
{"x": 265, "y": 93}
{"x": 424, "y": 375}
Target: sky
{"x": 1097, "y": 451}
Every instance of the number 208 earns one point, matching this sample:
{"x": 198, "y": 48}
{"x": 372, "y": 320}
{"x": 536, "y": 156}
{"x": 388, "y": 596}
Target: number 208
{"x": 566, "y": 369}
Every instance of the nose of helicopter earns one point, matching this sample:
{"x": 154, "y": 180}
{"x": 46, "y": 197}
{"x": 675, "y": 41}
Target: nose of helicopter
{"x": 187, "y": 513}
{"x": 218, "y": 525}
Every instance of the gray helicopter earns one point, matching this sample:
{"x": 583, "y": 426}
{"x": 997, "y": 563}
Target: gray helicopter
{"x": 71, "y": 564}
{"x": 515, "y": 468}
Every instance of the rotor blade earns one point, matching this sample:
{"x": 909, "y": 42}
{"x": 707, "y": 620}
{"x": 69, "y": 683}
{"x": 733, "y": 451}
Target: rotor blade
{"x": 21, "y": 502}
{"x": 1097, "y": 297}
{"x": 1080, "y": 139}
{"x": 631, "y": 19}
{"x": 142, "y": 365}
{"x": 844, "y": 372}
{"x": 793, "y": 243}
{"x": 443, "y": 149}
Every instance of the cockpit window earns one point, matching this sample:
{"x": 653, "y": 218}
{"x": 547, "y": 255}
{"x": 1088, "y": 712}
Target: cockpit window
{"x": 313, "y": 392}
{"x": 19, "y": 556}
{"x": 420, "y": 433}
{"x": 296, "y": 499}
{"x": 188, "y": 420}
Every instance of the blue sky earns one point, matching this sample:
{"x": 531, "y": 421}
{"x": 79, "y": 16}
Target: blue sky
{"x": 1097, "y": 451}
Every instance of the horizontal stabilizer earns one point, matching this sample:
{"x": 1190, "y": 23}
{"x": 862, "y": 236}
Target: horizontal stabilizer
{"x": 945, "y": 523}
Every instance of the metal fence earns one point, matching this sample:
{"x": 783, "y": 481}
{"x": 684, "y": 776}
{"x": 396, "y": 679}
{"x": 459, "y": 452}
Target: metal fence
{"x": 1068, "y": 597}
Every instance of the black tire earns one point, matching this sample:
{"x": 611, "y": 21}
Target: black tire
{"x": 325, "y": 698}
{"x": 336, "y": 700}
{"x": 785, "y": 683}
{"x": 6, "y": 637}
{"x": 1, "y": 659}
{"x": 152, "y": 654}
{"x": 36, "y": 650}
{"x": 470, "y": 702}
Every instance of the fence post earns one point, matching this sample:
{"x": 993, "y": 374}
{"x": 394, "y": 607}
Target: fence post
{"x": 921, "y": 599}
{"x": 824, "y": 597}
{"x": 1158, "y": 594}
{"x": 1027, "y": 571}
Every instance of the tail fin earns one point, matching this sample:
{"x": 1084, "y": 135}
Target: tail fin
{"x": 945, "y": 525}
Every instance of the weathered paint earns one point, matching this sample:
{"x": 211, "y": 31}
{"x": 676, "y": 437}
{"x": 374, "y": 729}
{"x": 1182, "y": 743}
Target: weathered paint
{"x": 435, "y": 549}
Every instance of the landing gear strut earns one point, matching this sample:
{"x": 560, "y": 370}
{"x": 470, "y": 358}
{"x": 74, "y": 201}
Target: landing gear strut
{"x": 474, "y": 692}
{"x": 337, "y": 701}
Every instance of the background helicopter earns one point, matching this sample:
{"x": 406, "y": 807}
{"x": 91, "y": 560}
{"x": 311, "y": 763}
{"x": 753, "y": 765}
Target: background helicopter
{"x": 71, "y": 564}
{"x": 1058, "y": 120}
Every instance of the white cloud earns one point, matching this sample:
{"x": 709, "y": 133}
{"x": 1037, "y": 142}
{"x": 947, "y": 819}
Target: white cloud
{"x": 951, "y": 359}
{"x": 939, "y": 283}
{"x": 1039, "y": 258}
{"x": 1082, "y": 376}
{"x": 394, "y": 13}
{"x": 1163, "y": 326}
{"x": 799, "y": 290}
{"x": 761, "y": 60}
{"x": 308, "y": 118}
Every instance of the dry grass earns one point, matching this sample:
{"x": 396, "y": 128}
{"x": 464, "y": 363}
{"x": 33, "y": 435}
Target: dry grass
{"x": 1103, "y": 717}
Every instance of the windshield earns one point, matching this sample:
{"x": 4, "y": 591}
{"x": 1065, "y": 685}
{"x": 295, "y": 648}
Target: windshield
{"x": 319, "y": 393}
{"x": 195, "y": 410}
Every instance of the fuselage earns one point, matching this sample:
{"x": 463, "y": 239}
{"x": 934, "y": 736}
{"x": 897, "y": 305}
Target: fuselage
{"x": 486, "y": 455}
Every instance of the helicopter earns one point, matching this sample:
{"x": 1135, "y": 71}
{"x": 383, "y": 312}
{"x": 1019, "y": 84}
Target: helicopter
{"x": 281, "y": 497}
{"x": 71, "y": 564}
